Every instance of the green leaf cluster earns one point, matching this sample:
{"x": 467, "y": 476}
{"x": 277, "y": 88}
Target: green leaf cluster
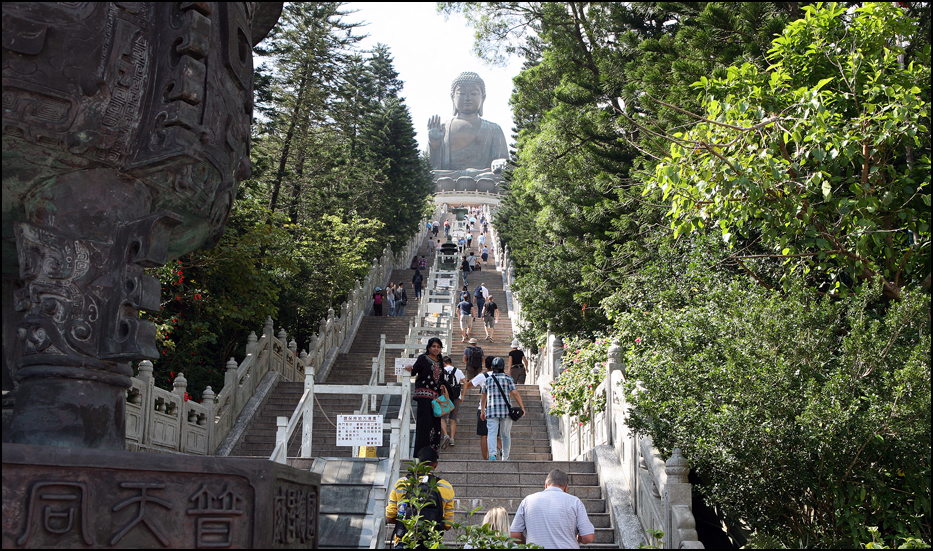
{"x": 823, "y": 158}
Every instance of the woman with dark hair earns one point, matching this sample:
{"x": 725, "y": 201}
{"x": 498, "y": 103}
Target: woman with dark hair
{"x": 428, "y": 369}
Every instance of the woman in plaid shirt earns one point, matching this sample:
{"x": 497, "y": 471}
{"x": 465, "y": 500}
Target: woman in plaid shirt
{"x": 495, "y": 409}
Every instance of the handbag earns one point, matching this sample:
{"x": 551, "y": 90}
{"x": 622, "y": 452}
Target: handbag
{"x": 441, "y": 406}
{"x": 514, "y": 413}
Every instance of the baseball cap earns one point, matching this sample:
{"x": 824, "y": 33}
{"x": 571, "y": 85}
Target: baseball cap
{"x": 498, "y": 364}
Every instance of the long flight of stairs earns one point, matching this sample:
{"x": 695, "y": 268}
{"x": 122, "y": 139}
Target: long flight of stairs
{"x": 476, "y": 482}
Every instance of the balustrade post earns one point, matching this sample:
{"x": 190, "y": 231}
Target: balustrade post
{"x": 556, "y": 353}
{"x": 331, "y": 326}
{"x": 179, "y": 388}
{"x": 251, "y": 343}
{"x": 146, "y": 401}
{"x": 322, "y": 335}
{"x": 382, "y": 359}
{"x": 267, "y": 328}
{"x": 307, "y": 415}
{"x": 283, "y": 338}
{"x": 281, "y": 437}
{"x": 207, "y": 400}
{"x": 677, "y": 494}
{"x": 312, "y": 351}
{"x": 614, "y": 363}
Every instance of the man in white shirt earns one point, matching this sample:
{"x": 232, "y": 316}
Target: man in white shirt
{"x": 457, "y": 377}
{"x": 553, "y": 518}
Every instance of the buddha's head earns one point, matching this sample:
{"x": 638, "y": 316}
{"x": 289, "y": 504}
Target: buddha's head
{"x": 468, "y": 92}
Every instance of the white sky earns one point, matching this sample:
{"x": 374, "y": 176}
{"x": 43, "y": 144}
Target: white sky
{"x": 429, "y": 53}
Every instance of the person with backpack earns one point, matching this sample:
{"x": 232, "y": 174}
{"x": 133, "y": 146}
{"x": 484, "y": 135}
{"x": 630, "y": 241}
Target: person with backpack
{"x": 466, "y": 269}
{"x": 490, "y": 315}
{"x": 446, "y": 228}
{"x": 423, "y": 263}
{"x": 436, "y": 495}
{"x": 377, "y": 302}
{"x": 473, "y": 359}
{"x": 417, "y": 280}
{"x": 453, "y": 380}
{"x": 401, "y": 299}
{"x": 479, "y": 295}
{"x": 472, "y": 262}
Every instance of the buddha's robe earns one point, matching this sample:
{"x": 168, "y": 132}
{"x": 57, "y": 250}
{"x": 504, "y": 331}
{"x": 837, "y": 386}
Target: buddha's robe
{"x": 474, "y": 159}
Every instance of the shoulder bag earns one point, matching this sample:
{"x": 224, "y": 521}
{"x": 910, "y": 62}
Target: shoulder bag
{"x": 514, "y": 413}
{"x": 441, "y": 406}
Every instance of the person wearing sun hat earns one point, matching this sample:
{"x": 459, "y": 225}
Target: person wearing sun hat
{"x": 518, "y": 371}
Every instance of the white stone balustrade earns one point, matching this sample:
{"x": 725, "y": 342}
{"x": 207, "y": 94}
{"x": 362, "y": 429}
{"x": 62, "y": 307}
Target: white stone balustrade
{"x": 163, "y": 421}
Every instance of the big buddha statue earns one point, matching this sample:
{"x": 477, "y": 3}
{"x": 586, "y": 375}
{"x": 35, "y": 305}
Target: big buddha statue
{"x": 466, "y": 150}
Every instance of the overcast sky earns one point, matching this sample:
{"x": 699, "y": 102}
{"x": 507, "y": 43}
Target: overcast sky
{"x": 429, "y": 53}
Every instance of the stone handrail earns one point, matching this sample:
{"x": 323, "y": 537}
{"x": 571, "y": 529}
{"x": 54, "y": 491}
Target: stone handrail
{"x": 660, "y": 491}
{"x": 164, "y": 421}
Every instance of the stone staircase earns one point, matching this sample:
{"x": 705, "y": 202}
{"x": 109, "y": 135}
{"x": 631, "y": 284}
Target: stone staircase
{"x": 488, "y": 484}
{"x": 476, "y": 482}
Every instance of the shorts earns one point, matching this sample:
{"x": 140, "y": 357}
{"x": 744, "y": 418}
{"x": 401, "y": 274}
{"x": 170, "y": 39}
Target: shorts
{"x": 466, "y": 322}
{"x": 490, "y": 321}
{"x": 472, "y": 372}
{"x": 452, "y": 414}
{"x": 517, "y": 372}
{"x": 481, "y": 429}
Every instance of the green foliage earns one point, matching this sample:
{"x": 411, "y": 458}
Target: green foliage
{"x": 906, "y": 543}
{"x": 583, "y": 367}
{"x": 421, "y": 534}
{"x": 809, "y": 419}
{"x": 824, "y": 156}
{"x": 213, "y": 298}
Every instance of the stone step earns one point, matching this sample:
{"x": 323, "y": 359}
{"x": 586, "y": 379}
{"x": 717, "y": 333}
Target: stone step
{"x": 543, "y": 466}
{"x": 493, "y": 476}
{"x": 599, "y": 520}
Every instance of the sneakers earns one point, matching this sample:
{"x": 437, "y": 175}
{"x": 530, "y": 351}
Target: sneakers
{"x": 492, "y": 457}
{"x": 445, "y": 442}
{"x": 452, "y": 443}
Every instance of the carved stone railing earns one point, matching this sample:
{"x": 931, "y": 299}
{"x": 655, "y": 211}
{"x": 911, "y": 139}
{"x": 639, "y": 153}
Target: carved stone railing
{"x": 163, "y": 421}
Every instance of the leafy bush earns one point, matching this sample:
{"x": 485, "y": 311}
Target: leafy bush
{"x": 809, "y": 419}
{"x": 584, "y": 368}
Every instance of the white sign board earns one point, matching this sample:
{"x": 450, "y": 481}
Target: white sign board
{"x": 359, "y": 430}
{"x": 445, "y": 283}
{"x": 401, "y": 364}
